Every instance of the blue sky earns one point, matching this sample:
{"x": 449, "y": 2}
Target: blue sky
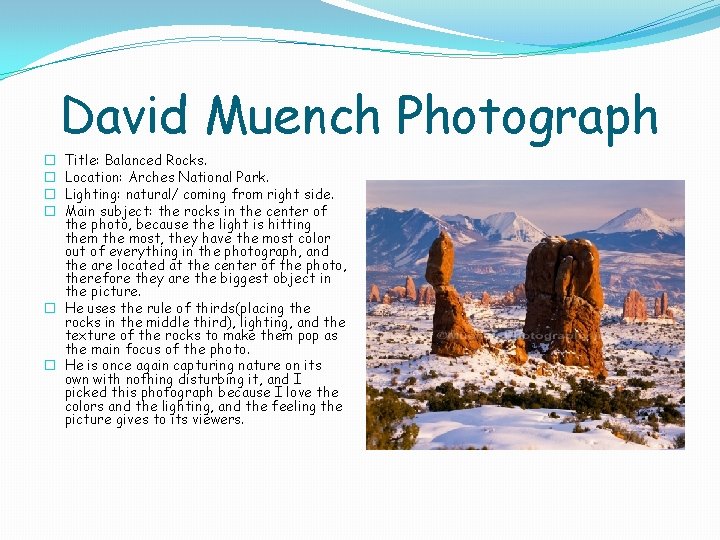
{"x": 557, "y": 206}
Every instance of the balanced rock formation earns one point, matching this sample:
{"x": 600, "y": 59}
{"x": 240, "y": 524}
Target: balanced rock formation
{"x": 657, "y": 311}
{"x": 486, "y": 300}
{"x": 564, "y": 299}
{"x": 374, "y": 293}
{"x": 634, "y": 309}
{"x": 410, "y": 291}
{"x": 453, "y": 335}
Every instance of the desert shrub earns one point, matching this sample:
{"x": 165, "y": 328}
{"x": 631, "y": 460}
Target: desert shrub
{"x": 540, "y": 399}
{"x": 473, "y": 396}
{"x": 553, "y": 414}
{"x": 645, "y": 372}
{"x": 447, "y": 398}
{"x": 510, "y": 398}
{"x": 622, "y": 372}
{"x": 385, "y": 421}
{"x": 587, "y": 397}
{"x": 627, "y": 402}
{"x": 410, "y": 381}
{"x": 670, "y": 415}
{"x": 637, "y": 382}
{"x": 679, "y": 441}
{"x": 496, "y": 393}
{"x": 623, "y": 433}
{"x": 580, "y": 429}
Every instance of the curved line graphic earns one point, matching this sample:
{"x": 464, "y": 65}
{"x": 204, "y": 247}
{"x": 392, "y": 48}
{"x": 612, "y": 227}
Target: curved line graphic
{"x": 703, "y": 16}
{"x": 370, "y": 12}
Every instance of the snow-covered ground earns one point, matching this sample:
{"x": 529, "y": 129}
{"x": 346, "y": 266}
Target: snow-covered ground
{"x": 397, "y": 356}
{"x": 501, "y": 428}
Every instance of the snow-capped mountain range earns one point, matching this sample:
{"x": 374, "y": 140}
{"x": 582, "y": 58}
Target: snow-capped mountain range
{"x": 401, "y": 238}
{"x": 639, "y": 249}
{"x": 500, "y": 226}
{"x": 642, "y": 219}
{"x": 639, "y": 230}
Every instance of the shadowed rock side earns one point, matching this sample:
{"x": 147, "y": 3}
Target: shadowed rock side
{"x": 564, "y": 299}
{"x": 453, "y": 335}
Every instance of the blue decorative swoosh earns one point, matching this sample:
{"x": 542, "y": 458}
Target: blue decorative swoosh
{"x": 32, "y": 29}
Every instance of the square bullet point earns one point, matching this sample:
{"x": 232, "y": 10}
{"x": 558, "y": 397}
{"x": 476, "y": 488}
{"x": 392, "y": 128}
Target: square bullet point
{"x": 49, "y": 365}
{"x": 50, "y": 211}
{"x": 49, "y": 193}
{"x": 49, "y": 307}
{"x": 50, "y": 176}
{"x": 49, "y": 159}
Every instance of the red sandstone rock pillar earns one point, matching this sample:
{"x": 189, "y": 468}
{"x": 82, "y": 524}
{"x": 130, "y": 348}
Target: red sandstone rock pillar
{"x": 410, "y": 292}
{"x": 453, "y": 335}
{"x": 634, "y": 309}
{"x": 564, "y": 299}
{"x": 374, "y": 293}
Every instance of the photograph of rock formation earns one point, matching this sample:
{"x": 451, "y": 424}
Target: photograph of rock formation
{"x": 551, "y": 323}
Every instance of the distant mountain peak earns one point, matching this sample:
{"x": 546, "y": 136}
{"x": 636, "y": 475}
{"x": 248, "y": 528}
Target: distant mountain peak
{"x": 500, "y": 226}
{"x": 513, "y": 226}
{"x": 640, "y": 220}
{"x": 460, "y": 220}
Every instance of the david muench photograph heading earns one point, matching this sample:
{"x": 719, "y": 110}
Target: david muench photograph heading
{"x": 412, "y": 113}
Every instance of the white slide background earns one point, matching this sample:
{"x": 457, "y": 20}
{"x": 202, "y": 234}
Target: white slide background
{"x": 303, "y": 477}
